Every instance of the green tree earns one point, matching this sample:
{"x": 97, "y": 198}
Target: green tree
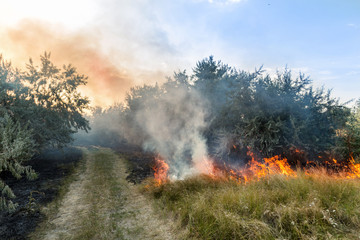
{"x": 38, "y": 107}
{"x": 286, "y": 113}
{"x": 349, "y": 145}
{"x": 56, "y": 107}
{"x": 272, "y": 115}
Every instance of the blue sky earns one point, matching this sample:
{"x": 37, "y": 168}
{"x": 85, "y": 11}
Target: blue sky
{"x": 150, "y": 39}
{"x": 320, "y": 38}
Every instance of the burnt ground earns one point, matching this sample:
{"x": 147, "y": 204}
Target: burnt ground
{"x": 52, "y": 167}
{"x": 140, "y": 162}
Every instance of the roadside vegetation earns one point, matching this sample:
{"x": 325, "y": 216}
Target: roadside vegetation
{"x": 276, "y": 207}
{"x": 39, "y": 107}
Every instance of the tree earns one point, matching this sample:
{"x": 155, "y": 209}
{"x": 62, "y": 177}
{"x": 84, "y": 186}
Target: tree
{"x": 349, "y": 145}
{"x": 214, "y": 80}
{"x": 274, "y": 116}
{"x": 56, "y": 105}
{"x": 271, "y": 115}
{"x": 38, "y": 108}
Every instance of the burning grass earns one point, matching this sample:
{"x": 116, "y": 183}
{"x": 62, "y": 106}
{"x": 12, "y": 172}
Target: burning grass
{"x": 308, "y": 206}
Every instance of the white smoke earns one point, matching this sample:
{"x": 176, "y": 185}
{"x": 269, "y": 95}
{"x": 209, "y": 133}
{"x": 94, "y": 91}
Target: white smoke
{"x": 173, "y": 125}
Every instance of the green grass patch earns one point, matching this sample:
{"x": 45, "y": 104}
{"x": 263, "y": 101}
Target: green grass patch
{"x": 277, "y": 207}
{"x": 103, "y": 194}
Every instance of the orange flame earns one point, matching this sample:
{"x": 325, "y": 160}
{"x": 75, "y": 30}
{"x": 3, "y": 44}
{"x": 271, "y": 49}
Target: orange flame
{"x": 257, "y": 169}
{"x": 160, "y": 171}
{"x": 353, "y": 169}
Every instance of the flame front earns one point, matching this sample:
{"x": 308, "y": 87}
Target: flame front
{"x": 161, "y": 169}
{"x": 257, "y": 169}
{"x": 270, "y": 166}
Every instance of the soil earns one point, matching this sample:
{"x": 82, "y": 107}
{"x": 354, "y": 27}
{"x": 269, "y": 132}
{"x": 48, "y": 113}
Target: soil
{"x": 51, "y": 167}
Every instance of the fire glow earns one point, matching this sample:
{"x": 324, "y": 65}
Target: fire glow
{"x": 257, "y": 169}
{"x": 161, "y": 169}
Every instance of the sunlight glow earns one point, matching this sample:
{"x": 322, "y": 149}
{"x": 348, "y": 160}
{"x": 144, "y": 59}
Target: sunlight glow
{"x": 60, "y": 12}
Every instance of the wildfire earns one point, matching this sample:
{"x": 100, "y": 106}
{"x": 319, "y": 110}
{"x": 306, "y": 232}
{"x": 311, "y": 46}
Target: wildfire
{"x": 355, "y": 168}
{"x": 257, "y": 169}
{"x": 206, "y": 166}
{"x": 160, "y": 171}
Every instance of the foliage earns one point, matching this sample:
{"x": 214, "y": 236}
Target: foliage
{"x": 16, "y": 147}
{"x": 56, "y": 102}
{"x": 272, "y": 115}
{"x": 45, "y": 99}
{"x": 38, "y": 108}
{"x": 139, "y": 98}
{"x": 349, "y": 144}
{"x": 214, "y": 80}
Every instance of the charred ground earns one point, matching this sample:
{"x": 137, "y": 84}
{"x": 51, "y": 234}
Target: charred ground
{"x": 52, "y": 167}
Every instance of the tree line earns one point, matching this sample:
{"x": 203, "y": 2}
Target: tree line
{"x": 271, "y": 115}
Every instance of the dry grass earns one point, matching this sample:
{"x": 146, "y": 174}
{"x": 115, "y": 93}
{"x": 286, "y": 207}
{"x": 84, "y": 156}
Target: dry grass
{"x": 306, "y": 207}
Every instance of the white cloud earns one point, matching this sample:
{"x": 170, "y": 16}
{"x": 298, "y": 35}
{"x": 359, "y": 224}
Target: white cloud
{"x": 352, "y": 25}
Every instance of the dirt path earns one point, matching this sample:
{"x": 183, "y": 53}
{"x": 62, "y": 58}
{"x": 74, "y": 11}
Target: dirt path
{"x": 139, "y": 219}
{"x": 101, "y": 204}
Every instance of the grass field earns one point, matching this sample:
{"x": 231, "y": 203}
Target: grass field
{"x": 277, "y": 207}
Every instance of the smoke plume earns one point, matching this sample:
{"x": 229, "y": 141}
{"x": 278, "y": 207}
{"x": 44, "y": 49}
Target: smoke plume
{"x": 173, "y": 124}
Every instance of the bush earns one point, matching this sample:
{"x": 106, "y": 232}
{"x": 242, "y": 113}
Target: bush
{"x": 16, "y": 147}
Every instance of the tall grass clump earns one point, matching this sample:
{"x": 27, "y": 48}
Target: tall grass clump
{"x": 313, "y": 206}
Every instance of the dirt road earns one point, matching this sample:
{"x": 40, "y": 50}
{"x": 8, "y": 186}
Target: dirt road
{"x": 101, "y": 204}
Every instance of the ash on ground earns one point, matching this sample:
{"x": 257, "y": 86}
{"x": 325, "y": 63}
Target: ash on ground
{"x": 52, "y": 167}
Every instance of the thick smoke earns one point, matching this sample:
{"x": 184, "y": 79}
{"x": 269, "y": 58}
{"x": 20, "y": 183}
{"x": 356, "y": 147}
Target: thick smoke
{"x": 173, "y": 125}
